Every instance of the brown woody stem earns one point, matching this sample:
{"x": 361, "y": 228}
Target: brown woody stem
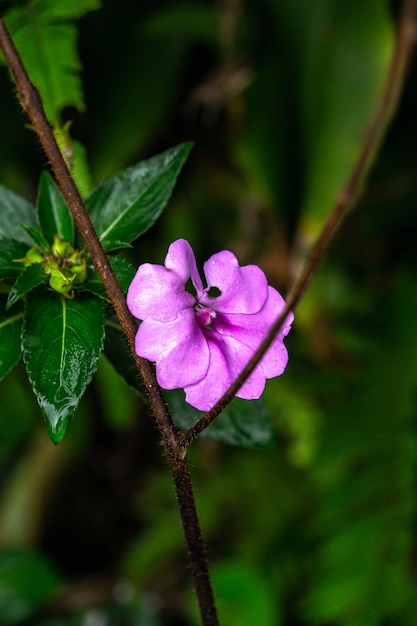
{"x": 32, "y": 104}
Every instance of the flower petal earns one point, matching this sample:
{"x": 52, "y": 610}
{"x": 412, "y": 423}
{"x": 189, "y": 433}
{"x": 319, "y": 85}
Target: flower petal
{"x": 180, "y": 259}
{"x": 227, "y": 359}
{"x": 178, "y": 347}
{"x": 158, "y": 293}
{"x": 250, "y": 330}
{"x": 243, "y": 289}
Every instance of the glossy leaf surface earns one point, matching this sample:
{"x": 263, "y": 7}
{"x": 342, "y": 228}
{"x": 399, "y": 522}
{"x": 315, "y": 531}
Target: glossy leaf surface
{"x": 53, "y": 214}
{"x": 10, "y": 332}
{"x": 10, "y": 251}
{"x": 28, "y": 279}
{"x": 14, "y": 211}
{"x": 126, "y": 205}
{"x": 62, "y": 342}
{"x": 243, "y": 423}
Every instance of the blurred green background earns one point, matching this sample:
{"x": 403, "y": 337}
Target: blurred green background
{"x": 321, "y": 530}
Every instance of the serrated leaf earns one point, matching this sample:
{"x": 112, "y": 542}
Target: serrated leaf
{"x": 37, "y": 237}
{"x": 62, "y": 341}
{"x": 28, "y": 279}
{"x": 15, "y": 211}
{"x": 26, "y": 582}
{"x": 10, "y": 251}
{"x": 243, "y": 423}
{"x": 123, "y": 271}
{"x": 53, "y": 214}
{"x": 10, "y": 331}
{"x": 48, "y": 47}
{"x": 127, "y": 204}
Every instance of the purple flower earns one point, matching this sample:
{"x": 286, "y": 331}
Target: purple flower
{"x": 201, "y": 337}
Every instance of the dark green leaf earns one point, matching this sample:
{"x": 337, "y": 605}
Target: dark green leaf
{"x": 28, "y": 279}
{"x": 48, "y": 46}
{"x": 126, "y": 205}
{"x": 10, "y": 251}
{"x": 123, "y": 271}
{"x": 62, "y": 342}
{"x": 26, "y": 582}
{"x": 10, "y": 332}
{"x": 118, "y": 353}
{"x": 53, "y": 214}
{"x": 14, "y": 211}
{"x": 37, "y": 237}
{"x": 243, "y": 423}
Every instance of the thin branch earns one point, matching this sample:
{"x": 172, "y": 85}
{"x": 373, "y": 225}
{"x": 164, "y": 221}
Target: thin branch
{"x": 405, "y": 40}
{"x": 32, "y": 104}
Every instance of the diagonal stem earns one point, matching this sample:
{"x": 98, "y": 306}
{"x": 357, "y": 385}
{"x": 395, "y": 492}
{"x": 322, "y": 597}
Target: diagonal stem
{"x": 32, "y": 104}
{"x": 404, "y": 43}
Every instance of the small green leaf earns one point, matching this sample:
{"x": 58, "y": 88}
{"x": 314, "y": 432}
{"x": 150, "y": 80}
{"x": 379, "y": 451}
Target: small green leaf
{"x": 126, "y": 205}
{"x": 62, "y": 342}
{"x": 28, "y": 279}
{"x": 243, "y": 423}
{"x": 10, "y": 331}
{"x": 10, "y": 251}
{"x": 53, "y": 213}
{"x": 26, "y": 582}
{"x": 118, "y": 353}
{"x": 14, "y": 211}
{"x": 37, "y": 237}
{"x": 123, "y": 271}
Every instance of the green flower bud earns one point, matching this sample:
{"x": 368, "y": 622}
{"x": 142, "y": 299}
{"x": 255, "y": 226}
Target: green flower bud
{"x": 60, "y": 281}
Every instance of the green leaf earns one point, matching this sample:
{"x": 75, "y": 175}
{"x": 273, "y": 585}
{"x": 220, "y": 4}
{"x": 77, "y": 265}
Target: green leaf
{"x": 10, "y": 332}
{"x": 37, "y": 237}
{"x": 53, "y": 214}
{"x": 118, "y": 353}
{"x": 62, "y": 342}
{"x": 48, "y": 47}
{"x": 26, "y": 582}
{"x": 14, "y": 211}
{"x": 126, "y": 205}
{"x": 28, "y": 279}
{"x": 243, "y": 423}
{"x": 10, "y": 251}
{"x": 123, "y": 271}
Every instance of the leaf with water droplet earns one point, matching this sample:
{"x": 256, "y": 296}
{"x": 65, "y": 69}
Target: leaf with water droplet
{"x": 62, "y": 342}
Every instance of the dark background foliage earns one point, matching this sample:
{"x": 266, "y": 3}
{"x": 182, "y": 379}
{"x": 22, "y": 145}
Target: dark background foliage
{"x": 321, "y": 529}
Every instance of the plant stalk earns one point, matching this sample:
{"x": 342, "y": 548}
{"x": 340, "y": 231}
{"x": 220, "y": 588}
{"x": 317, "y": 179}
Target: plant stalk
{"x": 32, "y": 104}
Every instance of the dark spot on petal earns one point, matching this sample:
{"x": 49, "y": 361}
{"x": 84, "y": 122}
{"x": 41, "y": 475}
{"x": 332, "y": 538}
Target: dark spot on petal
{"x": 214, "y": 292}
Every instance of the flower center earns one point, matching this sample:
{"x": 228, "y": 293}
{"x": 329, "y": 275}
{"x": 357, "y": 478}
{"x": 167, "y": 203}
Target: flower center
{"x": 204, "y": 315}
